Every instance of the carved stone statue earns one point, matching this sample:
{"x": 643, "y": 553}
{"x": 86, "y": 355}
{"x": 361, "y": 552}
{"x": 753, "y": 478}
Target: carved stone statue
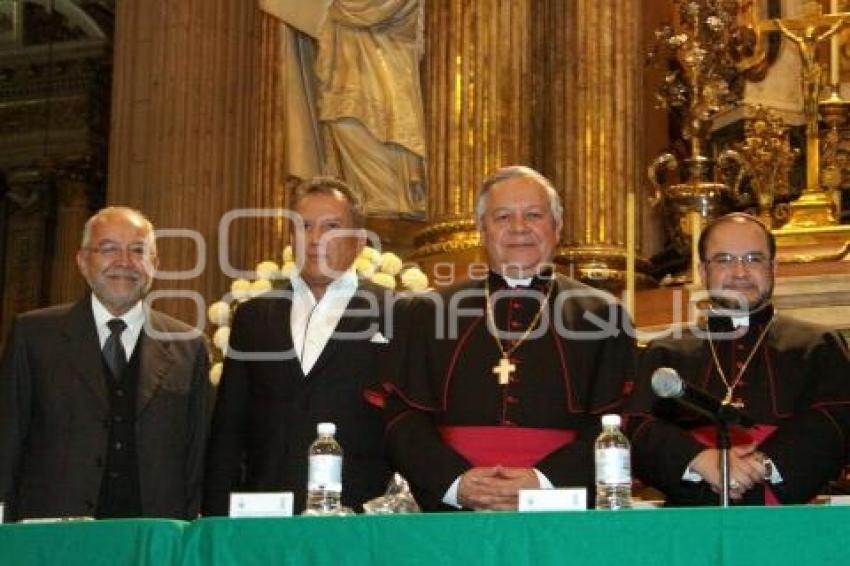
{"x": 353, "y": 97}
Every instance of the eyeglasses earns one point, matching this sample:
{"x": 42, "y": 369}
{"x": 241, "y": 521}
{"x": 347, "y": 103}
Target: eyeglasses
{"x": 752, "y": 260}
{"x": 113, "y": 251}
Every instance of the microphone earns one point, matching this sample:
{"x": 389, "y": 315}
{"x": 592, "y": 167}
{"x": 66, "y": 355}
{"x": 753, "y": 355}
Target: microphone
{"x": 667, "y": 384}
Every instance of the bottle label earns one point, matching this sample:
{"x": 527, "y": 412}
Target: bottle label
{"x": 613, "y": 466}
{"x": 325, "y": 473}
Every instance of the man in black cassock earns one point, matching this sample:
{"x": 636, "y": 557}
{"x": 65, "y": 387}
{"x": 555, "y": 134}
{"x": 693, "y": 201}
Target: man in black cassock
{"x": 791, "y": 377}
{"x": 498, "y": 384}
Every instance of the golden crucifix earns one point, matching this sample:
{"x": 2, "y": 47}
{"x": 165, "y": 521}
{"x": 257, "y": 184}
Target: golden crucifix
{"x": 504, "y": 369}
{"x": 806, "y": 32}
{"x": 812, "y": 27}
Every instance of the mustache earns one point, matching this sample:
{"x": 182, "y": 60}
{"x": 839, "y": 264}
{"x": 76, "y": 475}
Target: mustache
{"x": 125, "y": 272}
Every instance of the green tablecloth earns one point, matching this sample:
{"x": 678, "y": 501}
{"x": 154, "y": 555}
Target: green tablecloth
{"x": 790, "y": 535}
{"x": 795, "y": 536}
{"x": 93, "y": 543}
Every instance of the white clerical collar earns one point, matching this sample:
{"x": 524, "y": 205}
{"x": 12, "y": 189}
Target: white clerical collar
{"x": 738, "y": 320}
{"x": 513, "y": 283}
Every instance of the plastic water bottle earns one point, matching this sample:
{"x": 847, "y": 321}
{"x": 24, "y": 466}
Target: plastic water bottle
{"x": 324, "y": 475}
{"x": 613, "y": 466}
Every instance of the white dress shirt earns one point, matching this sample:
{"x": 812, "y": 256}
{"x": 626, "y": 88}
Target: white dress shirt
{"x": 311, "y": 322}
{"x": 133, "y": 318}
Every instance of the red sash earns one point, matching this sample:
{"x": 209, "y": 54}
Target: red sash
{"x": 505, "y": 445}
{"x": 707, "y": 436}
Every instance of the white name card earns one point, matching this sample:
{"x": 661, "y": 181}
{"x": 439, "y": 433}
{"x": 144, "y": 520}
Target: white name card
{"x": 2, "y": 508}
{"x": 839, "y": 500}
{"x": 278, "y": 504}
{"x": 566, "y": 499}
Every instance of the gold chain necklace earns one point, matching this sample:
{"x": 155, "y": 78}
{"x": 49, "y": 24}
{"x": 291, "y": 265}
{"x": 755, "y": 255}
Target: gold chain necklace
{"x": 504, "y": 369}
{"x": 730, "y": 388}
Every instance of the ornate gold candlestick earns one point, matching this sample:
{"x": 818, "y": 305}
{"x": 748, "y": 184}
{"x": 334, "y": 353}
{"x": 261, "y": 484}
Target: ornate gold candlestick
{"x": 834, "y": 112}
{"x": 704, "y": 46}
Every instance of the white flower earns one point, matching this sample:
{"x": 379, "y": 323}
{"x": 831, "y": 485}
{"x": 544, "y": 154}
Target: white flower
{"x": 221, "y": 337}
{"x": 390, "y": 263}
{"x": 215, "y": 373}
{"x": 287, "y": 269}
{"x": 241, "y": 289}
{"x": 370, "y": 254}
{"x": 287, "y": 254}
{"x": 267, "y": 270}
{"x": 364, "y": 266}
{"x": 384, "y": 280}
{"x": 414, "y": 279}
{"x": 260, "y": 286}
{"x": 219, "y": 313}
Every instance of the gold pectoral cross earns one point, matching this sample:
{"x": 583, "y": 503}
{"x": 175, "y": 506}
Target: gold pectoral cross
{"x": 504, "y": 369}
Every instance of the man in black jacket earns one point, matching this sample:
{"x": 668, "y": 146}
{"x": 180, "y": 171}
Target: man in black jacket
{"x": 301, "y": 356}
{"x": 103, "y": 403}
{"x": 791, "y": 377}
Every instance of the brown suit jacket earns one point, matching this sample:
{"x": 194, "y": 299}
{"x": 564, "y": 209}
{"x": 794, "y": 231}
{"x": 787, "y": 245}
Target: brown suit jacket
{"x": 54, "y": 411}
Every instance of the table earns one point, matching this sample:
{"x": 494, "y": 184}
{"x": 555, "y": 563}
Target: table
{"x": 93, "y": 543}
{"x": 790, "y": 535}
{"x": 793, "y": 535}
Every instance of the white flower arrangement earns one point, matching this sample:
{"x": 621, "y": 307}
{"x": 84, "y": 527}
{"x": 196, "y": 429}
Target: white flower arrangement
{"x": 267, "y": 270}
{"x": 221, "y": 338}
{"x": 219, "y": 313}
{"x": 384, "y": 280}
{"x": 215, "y": 373}
{"x": 384, "y": 269}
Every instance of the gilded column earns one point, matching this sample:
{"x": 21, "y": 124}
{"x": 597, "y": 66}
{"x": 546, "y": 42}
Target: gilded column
{"x": 550, "y": 84}
{"x": 184, "y": 120}
{"x": 479, "y": 107}
{"x": 73, "y": 191}
{"x": 588, "y": 67}
{"x": 269, "y": 183}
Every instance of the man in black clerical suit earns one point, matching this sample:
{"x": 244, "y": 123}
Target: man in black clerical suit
{"x": 791, "y": 377}
{"x": 498, "y": 384}
{"x": 302, "y": 356}
{"x": 103, "y": 403}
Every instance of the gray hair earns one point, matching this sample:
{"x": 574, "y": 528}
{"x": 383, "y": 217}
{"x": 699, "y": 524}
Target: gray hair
{"x": 512, "y": 172}
{"x": 125, "y": 211}
{"x": 334, "y": 187}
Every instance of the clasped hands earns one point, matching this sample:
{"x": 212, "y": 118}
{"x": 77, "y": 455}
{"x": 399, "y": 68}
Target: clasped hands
{"x": 496, "y": 488}
{"x": 746, "y": 469}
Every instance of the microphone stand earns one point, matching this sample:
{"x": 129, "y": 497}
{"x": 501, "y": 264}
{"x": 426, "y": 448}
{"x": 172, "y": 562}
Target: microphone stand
{"x": 724, "y": 444}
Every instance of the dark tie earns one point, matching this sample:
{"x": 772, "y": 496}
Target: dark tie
{"x": 113, "y": 350}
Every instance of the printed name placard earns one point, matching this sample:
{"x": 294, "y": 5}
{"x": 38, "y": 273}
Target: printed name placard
{"x": 839, "y": 499}
{"x": 566, "y": 499}
{"x": 277, "y": 504}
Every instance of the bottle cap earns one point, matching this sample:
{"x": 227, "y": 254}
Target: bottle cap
{"x": 326, "y": 428}
{"x": 611, "y": 420}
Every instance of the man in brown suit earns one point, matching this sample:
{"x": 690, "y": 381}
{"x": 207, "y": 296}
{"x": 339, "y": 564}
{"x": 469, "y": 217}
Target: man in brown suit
{"x": 103, "y": 402}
